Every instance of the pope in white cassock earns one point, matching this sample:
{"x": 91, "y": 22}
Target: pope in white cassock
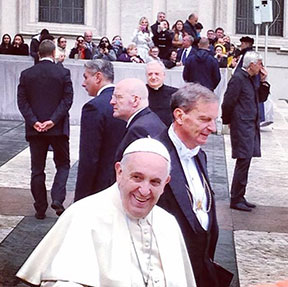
{"x": 118, "y": 237}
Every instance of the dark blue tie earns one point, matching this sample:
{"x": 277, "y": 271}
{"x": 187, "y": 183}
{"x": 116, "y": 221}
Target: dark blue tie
{"x": 184, "y": 56}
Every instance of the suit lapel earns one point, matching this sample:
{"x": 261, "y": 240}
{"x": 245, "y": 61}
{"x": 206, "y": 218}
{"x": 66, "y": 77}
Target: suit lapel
{"x": 140, "y": 114}
{"x": 178, "y": 184}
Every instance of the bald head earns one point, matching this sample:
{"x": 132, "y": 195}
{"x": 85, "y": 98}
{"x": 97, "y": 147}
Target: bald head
{"x": 203, "y": 43}
{"x": 88, "y": 36}
{"x": 130, "y": 95}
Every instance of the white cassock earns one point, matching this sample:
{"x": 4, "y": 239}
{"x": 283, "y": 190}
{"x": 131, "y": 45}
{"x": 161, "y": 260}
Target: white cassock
{"x": 90, "y": 245}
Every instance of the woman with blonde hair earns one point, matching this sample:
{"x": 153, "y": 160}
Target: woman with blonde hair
{"x": 142, "y": 38}
{"x": 131, "y": 55}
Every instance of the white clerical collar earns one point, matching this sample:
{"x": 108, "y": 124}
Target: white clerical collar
{"x": 47, "y": 59}
{"x": 105, "y": 87}
{"x": 182, "y": 150}
{"x": 133, "y": 116}
{"x": 157, "y": 88}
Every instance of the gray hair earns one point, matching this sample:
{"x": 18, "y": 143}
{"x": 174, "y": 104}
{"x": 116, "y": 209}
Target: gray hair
{"x": 103, "y": 66}
{"x": 187, "y": 97}
{"x": 191, "y": 39}
{"x": 46, "y": 48}
{"x": 159, "y": 13}
{"x": 155, "y": 62}
{"x": 251, "y": 57}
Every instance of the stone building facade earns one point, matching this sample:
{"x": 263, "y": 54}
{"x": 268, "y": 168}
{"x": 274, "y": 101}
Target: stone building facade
{"x": 112, "y": 17}
{"x": 121, "y": 17}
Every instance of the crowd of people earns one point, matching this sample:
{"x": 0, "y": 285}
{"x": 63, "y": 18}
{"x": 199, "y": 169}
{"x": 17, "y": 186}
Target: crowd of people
{"x": 114, "y": 235}
{"x": 158, "y": 41}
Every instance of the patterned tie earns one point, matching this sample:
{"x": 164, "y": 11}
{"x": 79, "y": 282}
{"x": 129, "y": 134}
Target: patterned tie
{"x": 184, "y": 56}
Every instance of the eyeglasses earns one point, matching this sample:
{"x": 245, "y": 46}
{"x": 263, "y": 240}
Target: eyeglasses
{"x": 104, "y": 41}
{"x": 80, "y": 41}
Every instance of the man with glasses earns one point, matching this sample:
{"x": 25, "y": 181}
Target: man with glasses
{"x": 130, "y": 103}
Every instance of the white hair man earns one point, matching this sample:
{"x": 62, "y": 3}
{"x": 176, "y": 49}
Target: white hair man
{"x": 240, "y": 110}
{"x": 117, "y": 237}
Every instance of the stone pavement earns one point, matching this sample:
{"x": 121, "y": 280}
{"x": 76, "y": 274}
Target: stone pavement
{"x": 254, "y": 246}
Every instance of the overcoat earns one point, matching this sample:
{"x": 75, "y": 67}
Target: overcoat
{"x": 240, "y": 109}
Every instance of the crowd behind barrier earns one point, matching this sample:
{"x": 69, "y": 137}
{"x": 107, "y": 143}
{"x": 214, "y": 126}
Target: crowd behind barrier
{"x": 11, "y": 67}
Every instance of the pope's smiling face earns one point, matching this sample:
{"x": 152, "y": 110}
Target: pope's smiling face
{"x": 141, "y": 179}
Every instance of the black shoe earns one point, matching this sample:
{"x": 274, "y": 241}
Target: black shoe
{"x": 249, "y": 204}
{"x": 40, "y": 215}
{"x": 240, "y": 206}
{"x": 58, "y": 207}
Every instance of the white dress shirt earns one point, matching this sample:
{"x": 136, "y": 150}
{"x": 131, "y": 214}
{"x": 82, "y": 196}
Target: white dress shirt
{"x": 196, "y": 188}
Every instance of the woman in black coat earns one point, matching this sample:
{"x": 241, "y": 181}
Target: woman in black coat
{"x": 19, "y": 47}
{"x": 5, "y": 47}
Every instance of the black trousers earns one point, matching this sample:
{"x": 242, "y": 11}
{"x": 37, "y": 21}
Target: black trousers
{"x": 38, "y": 149}
{"x": 240, "y": 179}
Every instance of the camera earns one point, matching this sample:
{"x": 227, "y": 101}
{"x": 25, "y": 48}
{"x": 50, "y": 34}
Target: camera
{"x": 102, "y": 45}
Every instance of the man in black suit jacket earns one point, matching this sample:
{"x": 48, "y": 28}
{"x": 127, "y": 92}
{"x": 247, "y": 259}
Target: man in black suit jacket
{"x": 130, "y": 103}
{"x": 45, "y": 96}
{"x": 100, "y": 133}
{"x": 159, "y": 93}
{"x": 189, "y": 196}
{"x": 187, "y": 49}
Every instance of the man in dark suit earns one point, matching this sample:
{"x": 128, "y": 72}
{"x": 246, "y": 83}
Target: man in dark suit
{"x": 100, "y": 133}
{"x": 187, "y": 49}
{"x": 159, "y": 93}
{"x": 189, "y": 196}
{"x": 240, "y": 109}
{"x": 45, "y": 96}
{"x": 130, "y": 103}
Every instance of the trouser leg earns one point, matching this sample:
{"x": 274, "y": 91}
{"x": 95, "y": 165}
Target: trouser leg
{"x": 38, "y": 151}
{"x": 61, "y": 159}
{"x": 240, "y": 179}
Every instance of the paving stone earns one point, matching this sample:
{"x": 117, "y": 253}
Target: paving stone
{"x": 6, "y": 125}
{"x": 15, "y": 249}
{"x": 7, "y": 224}
{"x": 262, "y": 257}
